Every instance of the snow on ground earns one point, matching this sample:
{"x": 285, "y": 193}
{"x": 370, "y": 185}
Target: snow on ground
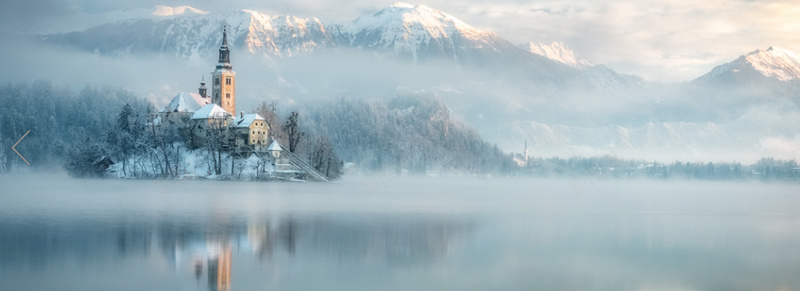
{"x": 196, "y": 163}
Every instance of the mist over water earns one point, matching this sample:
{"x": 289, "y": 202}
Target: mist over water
{"x": 398, "y": 233}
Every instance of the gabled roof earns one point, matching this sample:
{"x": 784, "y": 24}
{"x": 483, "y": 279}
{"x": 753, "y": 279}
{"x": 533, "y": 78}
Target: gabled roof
{"x": 185, "y": 102}
{"x": 246, "y": 120}
{"x": 211, "y": 111}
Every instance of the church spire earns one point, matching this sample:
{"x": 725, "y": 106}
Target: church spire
{"x": 223, "y": 86}
{"x": 225, "y": 36}
{"x": 202, "y": 90}
{"x": 224, "y": 52}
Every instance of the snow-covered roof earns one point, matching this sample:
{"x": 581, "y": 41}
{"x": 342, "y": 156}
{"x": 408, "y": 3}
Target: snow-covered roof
{"x": 185, "y": 102}
{"x": 246, "y": 120}
{"x": 210, "y": 111}
{"x": 275, "y": 146}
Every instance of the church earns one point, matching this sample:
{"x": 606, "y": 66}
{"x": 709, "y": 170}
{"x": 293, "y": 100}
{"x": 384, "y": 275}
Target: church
{"x": 213, "y": 117}
{"x": 250, "y": 132}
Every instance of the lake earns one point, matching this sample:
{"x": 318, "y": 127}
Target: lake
{"x": 397, "y": 233}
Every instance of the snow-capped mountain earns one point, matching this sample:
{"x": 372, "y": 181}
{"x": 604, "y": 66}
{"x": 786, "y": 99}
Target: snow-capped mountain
{"x": 418, "y": 31}
{"x": 162, "y": 10}
{"x": 400, "y": 30}
{"x": 772, "y": 64}
{"x": 557, "y": 51}
{"x": 192, "y": 35}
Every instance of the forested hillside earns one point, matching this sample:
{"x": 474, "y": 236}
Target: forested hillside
{"x": 413, "y": 132}
{"x": 57, "y": 118}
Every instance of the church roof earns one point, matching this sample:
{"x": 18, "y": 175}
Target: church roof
{"x": 185, "y": 102}
{"x": 246, "y": 120}
{"x": 210, "y": 111}
{"x": 275, "y": 146}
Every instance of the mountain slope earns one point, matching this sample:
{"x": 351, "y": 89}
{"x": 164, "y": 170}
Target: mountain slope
{"x": 557, "y": 51}
{"x": 419, "y": 31}
{"x": 192, "y": 35}
{"x": 162, "y": 10}
{"x": 771, "y": 64}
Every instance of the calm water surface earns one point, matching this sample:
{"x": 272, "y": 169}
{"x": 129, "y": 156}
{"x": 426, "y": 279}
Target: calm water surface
{"x": 58, "y": 233}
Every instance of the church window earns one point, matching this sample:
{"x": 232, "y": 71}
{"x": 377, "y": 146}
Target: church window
{"x": 216, "y": 81}
{"x": 228, "y": 95}
{"x": 227, "y": 81}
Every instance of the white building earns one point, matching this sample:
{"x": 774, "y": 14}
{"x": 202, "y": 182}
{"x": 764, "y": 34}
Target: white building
{"x": 209, "y": 118}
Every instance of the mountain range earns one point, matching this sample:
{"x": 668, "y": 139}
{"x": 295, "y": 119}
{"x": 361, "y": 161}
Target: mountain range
{"x": 543, "y": 93}
{"x": 415, "y": 33}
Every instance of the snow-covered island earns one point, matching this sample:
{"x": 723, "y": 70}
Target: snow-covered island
{"x": 198, "y": 135}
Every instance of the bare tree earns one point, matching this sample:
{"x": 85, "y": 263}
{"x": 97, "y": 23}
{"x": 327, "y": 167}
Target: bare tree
{"x": 324, "y": 160}
{"x": 217, "y": 141}
{"x": 270, "y": 114}
{"x": 293, "y": 131}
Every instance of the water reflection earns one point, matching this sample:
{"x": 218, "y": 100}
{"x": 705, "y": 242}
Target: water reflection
{"x": 219, "y": 269}
{"x": 211, "y": 250}
{"x": 183, "y": 236}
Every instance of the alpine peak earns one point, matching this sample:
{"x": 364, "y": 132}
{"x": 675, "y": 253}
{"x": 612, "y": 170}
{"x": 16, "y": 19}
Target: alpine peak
{"x": 774, "y": 62}
{"x": 162, "y": 10}
{"x": 415, "y": 20}
{"x": 402, "y": 5}
{"x": 557, "y": 51}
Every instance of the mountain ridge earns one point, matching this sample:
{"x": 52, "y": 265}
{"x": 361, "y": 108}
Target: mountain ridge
{"x": 771, "y": 65}
{"x": 404, "y": 32}
{"x": 557, "y": 51}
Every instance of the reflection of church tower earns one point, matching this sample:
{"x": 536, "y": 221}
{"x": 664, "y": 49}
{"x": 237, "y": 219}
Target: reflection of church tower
{"x": 223, "y": 90}
{"x": 219, "y": 271}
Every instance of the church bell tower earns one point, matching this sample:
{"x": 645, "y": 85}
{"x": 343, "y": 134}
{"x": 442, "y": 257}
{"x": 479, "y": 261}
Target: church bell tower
{"x": 223, "y": 88}
{"x": 202, "y": 90}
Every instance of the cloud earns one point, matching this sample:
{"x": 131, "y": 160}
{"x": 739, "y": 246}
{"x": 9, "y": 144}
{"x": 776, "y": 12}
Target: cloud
{"x": 781, "y": 147}
{"x": 662, "y": 40}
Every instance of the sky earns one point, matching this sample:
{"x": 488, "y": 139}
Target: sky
{"x": 660, "y": 40}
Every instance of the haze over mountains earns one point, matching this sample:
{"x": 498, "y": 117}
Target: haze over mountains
{"x": 560, "y": 103}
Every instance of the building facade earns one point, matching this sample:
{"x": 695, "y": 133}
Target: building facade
{"x": 211, "y": 121}
{"x": 251, "y": 132}
{"x": 223, "y": 87}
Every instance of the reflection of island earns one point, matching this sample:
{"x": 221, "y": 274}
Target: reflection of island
{"x": 311, "y": 252}
{"x": 393, "y": 241}
{"x": 191, "y": 246}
